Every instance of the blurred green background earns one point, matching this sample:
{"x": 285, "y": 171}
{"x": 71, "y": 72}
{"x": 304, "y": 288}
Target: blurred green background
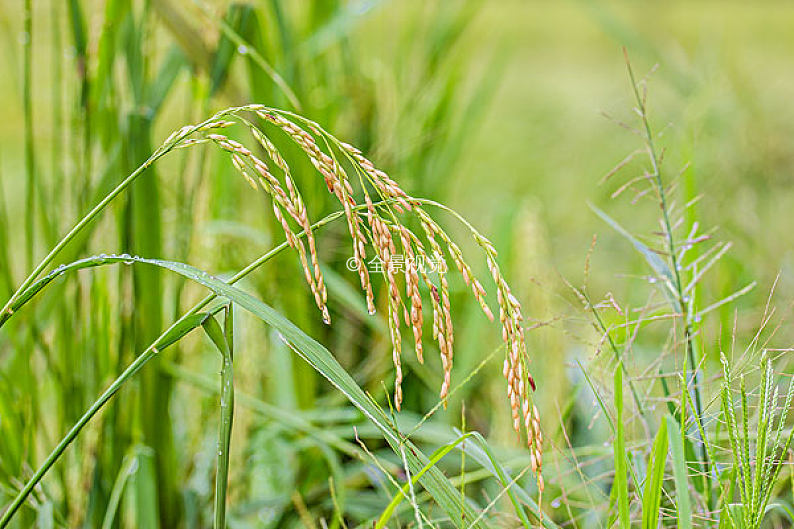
{"x": 495, "y": 108}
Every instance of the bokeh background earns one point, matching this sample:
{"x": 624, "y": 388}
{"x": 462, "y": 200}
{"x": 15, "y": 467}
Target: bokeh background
{"x": 508, "y": 111}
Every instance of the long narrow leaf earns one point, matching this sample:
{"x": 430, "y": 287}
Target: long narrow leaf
{"x": 683, "y": 508}
{"x": 620, "y": 483}
{"x": 652, "y": 494}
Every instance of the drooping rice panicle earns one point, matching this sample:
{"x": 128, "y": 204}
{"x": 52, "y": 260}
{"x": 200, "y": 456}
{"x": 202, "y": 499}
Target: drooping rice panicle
{"x": 380, "y": 226}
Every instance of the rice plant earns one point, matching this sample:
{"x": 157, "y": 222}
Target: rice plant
{"x": 375, "y": 223}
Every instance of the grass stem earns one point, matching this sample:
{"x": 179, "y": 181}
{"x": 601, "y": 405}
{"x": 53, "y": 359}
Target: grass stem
{"x": 693, "y": 381}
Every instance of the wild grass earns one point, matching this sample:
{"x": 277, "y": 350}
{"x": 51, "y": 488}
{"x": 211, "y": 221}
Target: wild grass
{"x": 660, "y": 396}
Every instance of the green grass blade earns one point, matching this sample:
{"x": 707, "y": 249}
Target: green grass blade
{"x": 621, "y": 482}
{"x": 27, "y": 105}
{"x": 683, "y": 507}
{"x": 652, "y": 493}
{"x": 483, "y": 455}
{"x": 435, "y": 457}
{"x": 128, "y": 467}
{"x": 223, "y": 341}
{"x": 238, "y": 18}
{"x": 144, "y": 490}
{"x": 508, "y": 485}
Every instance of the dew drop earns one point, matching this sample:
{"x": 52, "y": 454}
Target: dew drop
{"x": 555, "y": 503}
{"x": 242, "y": 49}
{"x": 652, "y": 280}
{"x": 371, "y": 311}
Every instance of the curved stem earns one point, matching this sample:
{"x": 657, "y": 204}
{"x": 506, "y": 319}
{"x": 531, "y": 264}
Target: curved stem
{"x": 679, "y": 288}
{"x": 227, "y": 416}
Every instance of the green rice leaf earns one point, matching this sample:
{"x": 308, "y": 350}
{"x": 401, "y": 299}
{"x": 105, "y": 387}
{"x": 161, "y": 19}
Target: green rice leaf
{"x": 652, "y": 494}
{"x": 620, "y": 483}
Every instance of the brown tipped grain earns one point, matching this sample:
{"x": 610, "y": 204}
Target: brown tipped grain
{"x": 380, "y": 226}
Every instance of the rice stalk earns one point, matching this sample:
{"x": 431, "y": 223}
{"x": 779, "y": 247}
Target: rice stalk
{"x": 382, "y": 225}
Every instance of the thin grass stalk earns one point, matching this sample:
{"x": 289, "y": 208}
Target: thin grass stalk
{"x": 406, "y": 491}
{"x": 745, "y": 447}
{"x": 619, "y": 452}
{"x": 83, "y": 115}
{"x": 224, "y": 342}
{"x": 127, "y": 469}
{"x": 760, "y": 443}
{"x": 773, "y": 475}
{"x": 733, "y": 428}
{"x": 677, "y": 451}
{"x": 671, "y": 250}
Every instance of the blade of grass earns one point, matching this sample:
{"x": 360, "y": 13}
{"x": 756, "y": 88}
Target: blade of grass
{"x": 143, "y": 484}
{"x": 683, "y": 509}
{"x": 128, "y": 467}
{"x": 224, "y": 342}
{"x": 620, "y": 483}
{"x": 652, "y": 493}
{"x": 435, "y": 457}
{"x": 481, "y": 452}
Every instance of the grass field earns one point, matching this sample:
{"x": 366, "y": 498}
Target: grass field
{"x": 163, "y": 356}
